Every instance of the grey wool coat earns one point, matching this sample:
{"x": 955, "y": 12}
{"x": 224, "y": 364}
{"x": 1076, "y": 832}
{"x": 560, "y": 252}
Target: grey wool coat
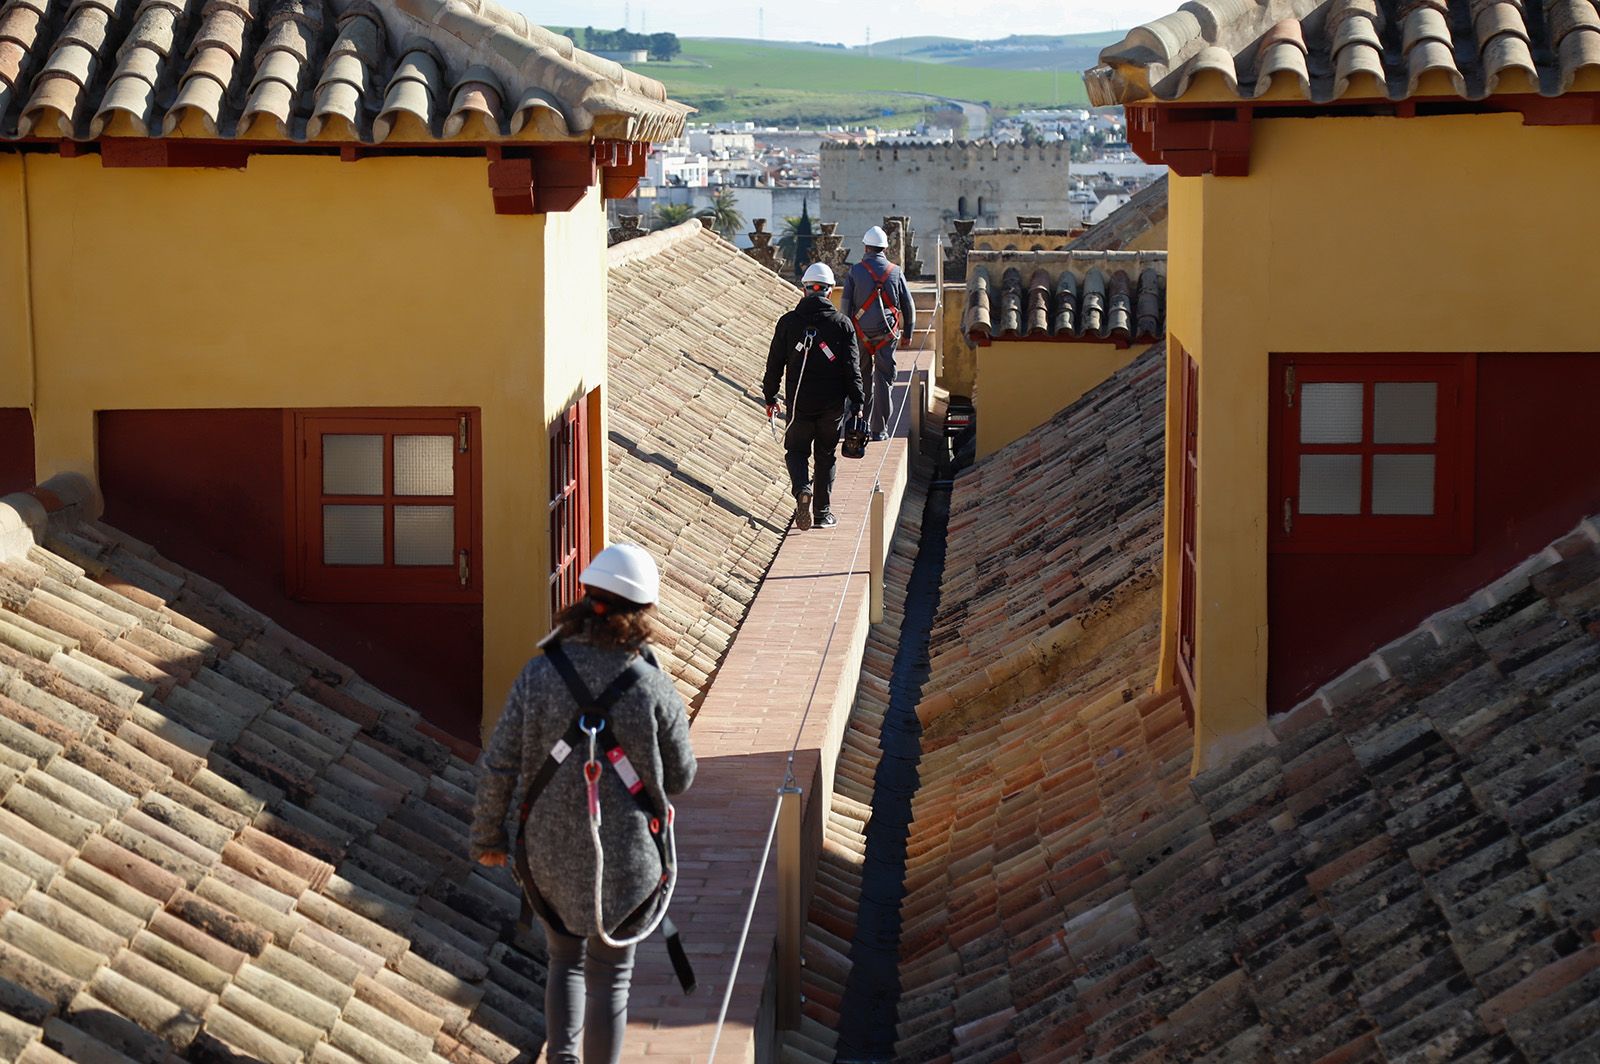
{"x": 652, "y": 724}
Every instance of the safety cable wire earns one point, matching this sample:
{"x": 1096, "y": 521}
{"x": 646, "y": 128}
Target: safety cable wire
{"x": 744, "y": 934}
{"x": 816, "y": 684}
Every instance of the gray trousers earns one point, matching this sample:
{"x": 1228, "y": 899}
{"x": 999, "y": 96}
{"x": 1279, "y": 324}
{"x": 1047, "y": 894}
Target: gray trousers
{"x": 587, "y": 994}
{"x": 878, "y": 374}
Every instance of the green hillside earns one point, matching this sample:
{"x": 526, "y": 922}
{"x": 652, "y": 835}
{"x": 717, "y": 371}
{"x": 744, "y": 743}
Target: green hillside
{"x": 781, "y": 83}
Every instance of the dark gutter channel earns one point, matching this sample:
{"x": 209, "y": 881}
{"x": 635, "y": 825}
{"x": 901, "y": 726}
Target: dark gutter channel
{"x": 872, "y": 990}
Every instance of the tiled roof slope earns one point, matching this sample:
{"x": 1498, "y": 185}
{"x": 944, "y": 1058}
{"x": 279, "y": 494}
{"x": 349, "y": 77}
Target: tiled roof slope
{"x": 218, "y": 844}
{"x": 1408, "y": 871}
{"x": 1049, "y": 538}
{"x": 1090, "y": 296}
{"x": 1329, "y": 50}
{"x": 297, "y": 70}
{"x": 695, "y": 474}
{"x": 1125, "y": 225}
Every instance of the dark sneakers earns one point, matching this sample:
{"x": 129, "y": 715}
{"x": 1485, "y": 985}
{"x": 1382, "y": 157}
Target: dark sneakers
{"x": 880, "y": 436}
{"x": 802, "y": 510}
{"x": 826, "y": 519}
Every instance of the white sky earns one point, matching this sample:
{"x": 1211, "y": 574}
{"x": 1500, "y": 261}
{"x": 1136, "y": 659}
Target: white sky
{"x": 847, "y": 20}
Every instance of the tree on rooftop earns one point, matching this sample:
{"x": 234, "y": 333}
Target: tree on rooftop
{"x": 723, "y": 213}
{"x": 796, "y": 237}
{"x": 668, "y": 215}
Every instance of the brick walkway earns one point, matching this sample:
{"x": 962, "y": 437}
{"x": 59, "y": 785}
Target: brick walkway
{"x": 742, "y": 737}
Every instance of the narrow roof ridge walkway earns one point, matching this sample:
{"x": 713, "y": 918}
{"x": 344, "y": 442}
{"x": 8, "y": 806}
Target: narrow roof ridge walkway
{"x": 742, "y": 737}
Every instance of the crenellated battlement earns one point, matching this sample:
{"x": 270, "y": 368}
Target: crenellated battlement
{"x": 956, "y": 155}
{"x": 936, "y": 185}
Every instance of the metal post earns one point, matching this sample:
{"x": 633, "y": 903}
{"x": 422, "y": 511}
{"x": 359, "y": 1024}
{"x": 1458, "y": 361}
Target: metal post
{"x": 875, "y": 577}
{"x": 790, "y": 916}
{"x": 914, "y": 445}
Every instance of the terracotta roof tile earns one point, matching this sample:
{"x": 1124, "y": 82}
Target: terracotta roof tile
{"x": 399, "y": 70}
{"x": 1145, "y": 210}
{"x": 695, "y": 474}
{"x": 1329, "y": 50}
{"x": 1369, "y": 884}
{"x": 1066, "y": 296}
{"x": 150, "y": 883}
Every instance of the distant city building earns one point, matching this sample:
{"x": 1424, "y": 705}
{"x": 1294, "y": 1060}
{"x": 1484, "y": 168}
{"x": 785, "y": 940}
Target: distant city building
{"x": 667, "y": 169}
{"x": 935, "y": 184}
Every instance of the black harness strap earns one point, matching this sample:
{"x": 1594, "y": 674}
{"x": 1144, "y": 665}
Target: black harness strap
{"x": 573, "y": 739}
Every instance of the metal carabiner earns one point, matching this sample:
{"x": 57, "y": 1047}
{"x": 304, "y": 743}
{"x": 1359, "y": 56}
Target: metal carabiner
{"x": 591, "y": 767}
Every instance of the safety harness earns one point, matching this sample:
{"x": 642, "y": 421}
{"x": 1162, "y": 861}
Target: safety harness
{"x": 589, "y": 730}
{"x": 891, "y": 314}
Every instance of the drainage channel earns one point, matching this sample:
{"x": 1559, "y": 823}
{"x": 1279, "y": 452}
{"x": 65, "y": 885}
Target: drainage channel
{"x": 872, "y": 989}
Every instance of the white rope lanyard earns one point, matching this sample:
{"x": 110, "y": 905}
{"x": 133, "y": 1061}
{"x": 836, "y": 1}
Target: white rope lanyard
{"x": 592, "y": 771}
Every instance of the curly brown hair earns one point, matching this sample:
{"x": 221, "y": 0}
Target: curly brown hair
{"x": 606, "y": 620}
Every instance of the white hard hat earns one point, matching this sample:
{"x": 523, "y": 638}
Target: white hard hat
{"x": 875, "y": 238}
{"x": 626, "y": 571}
{"x": 818, "y": 273}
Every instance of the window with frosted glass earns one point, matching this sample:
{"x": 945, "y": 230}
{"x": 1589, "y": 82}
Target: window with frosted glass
{"x": 1373, "y": 453}
{"x": 384, "y": 507}
{"x": 424, "y": 465}
{"x": 352, "y": 535}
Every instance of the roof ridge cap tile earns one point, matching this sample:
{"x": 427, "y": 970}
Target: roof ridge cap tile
{"x": 1326, "y": 46}
{"x": 651, "y": 244}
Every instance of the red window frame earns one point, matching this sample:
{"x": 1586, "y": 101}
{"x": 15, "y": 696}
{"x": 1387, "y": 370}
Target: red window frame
{"x": 1188, "y": 554}
{"x": 570, "y": 548}
{"x": 311, "y": 579}
{"x": 1448, "y": 530}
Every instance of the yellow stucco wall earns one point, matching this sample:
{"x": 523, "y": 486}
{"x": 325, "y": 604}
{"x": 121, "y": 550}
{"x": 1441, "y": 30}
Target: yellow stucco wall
{"x": 1441, "y": 234}
{"x": 958, "y": 370}
{"x": 1020, "y": 385}
{"x": 16, "y": 338}
{"x": 310, "y": 282}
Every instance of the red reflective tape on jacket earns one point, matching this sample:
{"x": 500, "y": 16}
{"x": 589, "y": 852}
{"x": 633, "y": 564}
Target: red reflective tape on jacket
{"x": 624, "y": 767}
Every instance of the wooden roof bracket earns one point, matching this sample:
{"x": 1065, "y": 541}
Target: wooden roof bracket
{"x": 1193, "y": 141}
{"x": 622, "y": 166}
{"x": 541, "y": 179}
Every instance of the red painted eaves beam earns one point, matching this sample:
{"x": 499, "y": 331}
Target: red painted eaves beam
{"x": 523, "y": 178}
{"x": 1193, "y": 141}
{"x": 1211, "y": 138}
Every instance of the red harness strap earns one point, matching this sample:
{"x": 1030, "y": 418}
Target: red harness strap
{"x": 891, "y": 316}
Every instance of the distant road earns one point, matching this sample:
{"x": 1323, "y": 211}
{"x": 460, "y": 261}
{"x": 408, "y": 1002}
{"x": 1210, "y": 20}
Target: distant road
{"x": 977, "y": 114}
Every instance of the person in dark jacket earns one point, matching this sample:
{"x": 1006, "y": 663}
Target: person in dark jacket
{"x": 878, "y": 302}
{"x": 587, "y": 989}
{"x": 814, "y": 347}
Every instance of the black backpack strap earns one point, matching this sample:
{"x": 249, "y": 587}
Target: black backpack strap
{"x": 631, "y": 674}
{"x": 678, "y": 956}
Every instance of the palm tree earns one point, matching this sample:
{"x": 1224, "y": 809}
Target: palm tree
{"x": 723, "y": 214}
{"x": 788, "y": 236}
{"x": 669, "y": 215}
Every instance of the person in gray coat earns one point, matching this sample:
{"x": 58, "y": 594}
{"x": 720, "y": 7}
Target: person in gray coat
{"x": 878, "y": 303}
{"x": 587, "y": 990}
